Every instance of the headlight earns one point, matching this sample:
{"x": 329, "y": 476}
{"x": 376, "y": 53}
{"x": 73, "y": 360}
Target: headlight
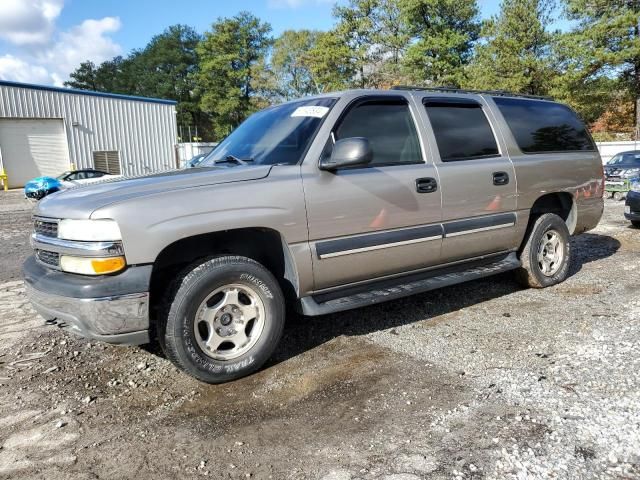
{"x": 89, "y": 230}
{"x": 91, "y": 266}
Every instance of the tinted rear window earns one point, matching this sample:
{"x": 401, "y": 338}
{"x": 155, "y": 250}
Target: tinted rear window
{"x": 462, "y": 130}
{"x": 540, "y": 126}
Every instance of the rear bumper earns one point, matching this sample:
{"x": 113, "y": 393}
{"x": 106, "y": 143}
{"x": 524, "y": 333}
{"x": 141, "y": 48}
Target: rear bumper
{"x": 632, "y": 206}
{"x": 113, "y": 309}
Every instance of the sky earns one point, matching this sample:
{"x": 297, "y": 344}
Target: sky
{"x": 42, "y": 41}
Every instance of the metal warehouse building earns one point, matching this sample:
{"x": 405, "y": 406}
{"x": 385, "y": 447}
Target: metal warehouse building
{"x": 48, "y": 130}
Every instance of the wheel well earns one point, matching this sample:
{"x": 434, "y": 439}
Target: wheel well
{"x": 560, "y": 203}
{"x": 263, "y": 245}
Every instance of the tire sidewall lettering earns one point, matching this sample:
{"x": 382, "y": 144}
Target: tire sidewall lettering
{"x": 247, "y": 277}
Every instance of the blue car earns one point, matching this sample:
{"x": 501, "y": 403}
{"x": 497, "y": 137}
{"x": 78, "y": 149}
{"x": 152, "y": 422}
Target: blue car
{"x": 40, "y": 187}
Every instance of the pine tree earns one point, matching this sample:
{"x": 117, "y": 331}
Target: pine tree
{"x": 516, "y": 50}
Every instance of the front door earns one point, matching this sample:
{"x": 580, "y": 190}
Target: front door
{"x": 378, "y": 220}
{"x": 477, "y": 178}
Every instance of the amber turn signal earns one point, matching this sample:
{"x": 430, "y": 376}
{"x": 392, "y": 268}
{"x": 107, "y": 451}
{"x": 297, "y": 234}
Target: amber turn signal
{"x": 92, "y": 266}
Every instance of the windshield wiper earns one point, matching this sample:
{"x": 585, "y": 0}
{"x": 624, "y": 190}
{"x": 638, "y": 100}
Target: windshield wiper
{"x": 233, "y": 159}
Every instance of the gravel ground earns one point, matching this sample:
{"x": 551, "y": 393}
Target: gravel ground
{"x": 481, "y": 380}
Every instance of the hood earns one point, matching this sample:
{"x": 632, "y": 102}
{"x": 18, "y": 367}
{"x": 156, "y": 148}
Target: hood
{"x": 81, "y": 201}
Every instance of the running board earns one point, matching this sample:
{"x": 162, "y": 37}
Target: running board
{"x": 382, "y": 291}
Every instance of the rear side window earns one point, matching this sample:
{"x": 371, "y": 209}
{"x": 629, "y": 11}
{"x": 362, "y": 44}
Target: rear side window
{"x": 541, "y": 126}
{"x": 462, "y": 130}
{"x": 389, "y": 127}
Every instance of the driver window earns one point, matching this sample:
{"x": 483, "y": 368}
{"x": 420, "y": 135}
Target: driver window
{"x": 389, "y": 127}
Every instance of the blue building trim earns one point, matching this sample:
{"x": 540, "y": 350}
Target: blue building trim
{"x": 75, "y": 91}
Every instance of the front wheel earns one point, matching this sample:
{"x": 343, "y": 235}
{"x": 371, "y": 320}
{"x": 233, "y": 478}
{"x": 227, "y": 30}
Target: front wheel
{"x": 635, "y": 223}
{"x": 546, "y": 254}
{"x": 225, "y": 320}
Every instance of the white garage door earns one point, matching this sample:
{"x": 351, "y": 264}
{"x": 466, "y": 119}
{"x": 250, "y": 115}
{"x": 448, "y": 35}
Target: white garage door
{"x": 32, "y": 148}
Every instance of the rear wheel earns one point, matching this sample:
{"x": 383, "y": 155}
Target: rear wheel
{"x": 225, "y": 320}
{"x": 635, "y": 223}
{"x": 546, "y": 254}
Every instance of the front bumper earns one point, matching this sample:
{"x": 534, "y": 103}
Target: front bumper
{"x": 632, "y": 206}
{"x": 113, "y": 309}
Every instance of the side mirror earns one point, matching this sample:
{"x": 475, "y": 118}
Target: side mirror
{"x": 348, "y": 152}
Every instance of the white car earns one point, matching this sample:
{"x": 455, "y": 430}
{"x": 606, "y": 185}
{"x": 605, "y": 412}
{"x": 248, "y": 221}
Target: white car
{"x": 82, "y": 177}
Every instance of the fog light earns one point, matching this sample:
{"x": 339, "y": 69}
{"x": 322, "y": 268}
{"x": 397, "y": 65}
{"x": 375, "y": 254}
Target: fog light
{"x": 91, "y": 266}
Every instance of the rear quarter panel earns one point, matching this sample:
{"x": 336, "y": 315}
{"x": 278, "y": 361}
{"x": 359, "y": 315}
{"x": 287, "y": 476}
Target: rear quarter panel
{"x": 577, "y": 173}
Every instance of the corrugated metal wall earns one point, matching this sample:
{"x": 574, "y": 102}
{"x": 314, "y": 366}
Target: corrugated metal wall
{"x": 144, "y": 132}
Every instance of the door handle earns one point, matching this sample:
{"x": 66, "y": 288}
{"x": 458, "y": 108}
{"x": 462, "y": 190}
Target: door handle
{"x": 426, "y": 185}
{"x": 500, "y": 178}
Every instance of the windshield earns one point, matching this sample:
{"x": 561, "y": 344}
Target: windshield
{"x": 626, "y": 158}
{"x": 276, "y": 135}
{"x": 61, "y": 177}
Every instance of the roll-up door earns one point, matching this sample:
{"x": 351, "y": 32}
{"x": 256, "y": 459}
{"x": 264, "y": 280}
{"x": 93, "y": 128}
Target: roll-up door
{"x": 32, "y": 148}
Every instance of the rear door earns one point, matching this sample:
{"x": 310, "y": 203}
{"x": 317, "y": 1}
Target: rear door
{"x": 477, "y": 177}
{"x": 381, "y": 219}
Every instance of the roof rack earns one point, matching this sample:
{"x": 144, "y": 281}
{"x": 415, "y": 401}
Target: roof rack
{"x": 497, "y": 93}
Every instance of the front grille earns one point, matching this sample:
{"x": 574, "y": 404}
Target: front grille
{"x": 48, "y": 258}
{"x": 46, "y": 228}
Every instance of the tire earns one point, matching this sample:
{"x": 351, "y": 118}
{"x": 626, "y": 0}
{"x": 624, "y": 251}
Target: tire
{"x": 618, "y": 196}
{"x": 214, "y": 349}
{"x": 549, "y": 229}
{"x": 635, "y": 223}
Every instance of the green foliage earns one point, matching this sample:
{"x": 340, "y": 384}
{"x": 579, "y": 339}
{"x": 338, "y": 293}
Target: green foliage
{"x": 290, "y": 63}
{"x": 110, "y": 76}
{"x": 355, "y": 29}
{"x": 516, "y": 53}
{"x": 391, "y": 35}
{"x": 235, "y": 68}
{"x": 330, "y": 63}
{"x": 443, "y": 33}
{"x": 166, "y": 68}
{"x": 606, "y": 43}
{"x": 230, "y": 57}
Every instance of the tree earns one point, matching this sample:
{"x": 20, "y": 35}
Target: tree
{"x": 517, "y": 51}
{"x": 230, "y": 55}
{"x": 331, "y": 63}
{"x": 110, "y": 76}
{"x": 443, "y": 34}
{"x": 616, "y": 121}
{"x": 356, "y": 30}
{"x": 166, "y": 68}
{"x": 391, "y": 37}
{"x": 290, "y": 62}
{"x": 606, "y": 42}
{"x": 84, "y": 77}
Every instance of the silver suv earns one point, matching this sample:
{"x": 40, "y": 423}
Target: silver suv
{"x": 328, "y": 203}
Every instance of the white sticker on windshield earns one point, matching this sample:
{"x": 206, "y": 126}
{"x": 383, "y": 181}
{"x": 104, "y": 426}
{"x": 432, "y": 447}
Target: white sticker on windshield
{"x": 310, "y": 111}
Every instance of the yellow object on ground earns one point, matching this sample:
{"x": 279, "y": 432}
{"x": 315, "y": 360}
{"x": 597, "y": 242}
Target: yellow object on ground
{"x": 5, "y": 180}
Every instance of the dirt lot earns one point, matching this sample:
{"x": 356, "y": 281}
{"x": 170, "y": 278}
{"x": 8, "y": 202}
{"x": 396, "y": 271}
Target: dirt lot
{"x": 481, "y": 380}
